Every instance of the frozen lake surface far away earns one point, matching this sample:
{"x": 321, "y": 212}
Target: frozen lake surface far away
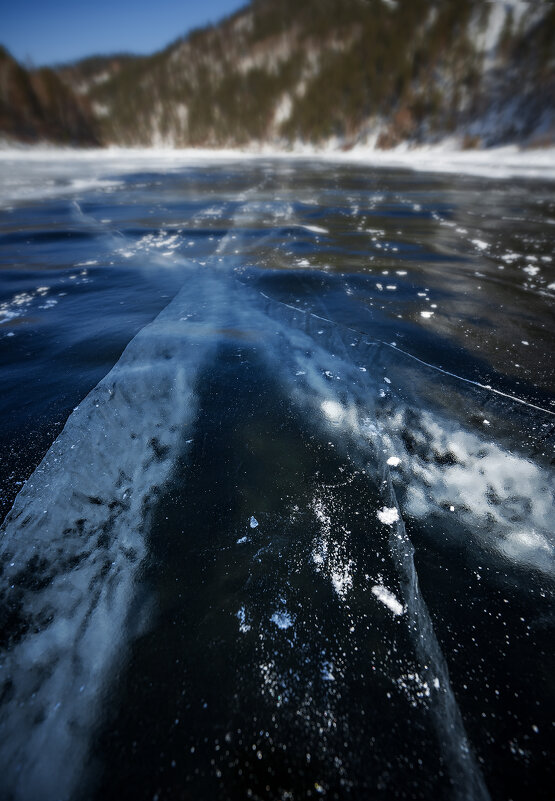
{"x": 277, "y": 479}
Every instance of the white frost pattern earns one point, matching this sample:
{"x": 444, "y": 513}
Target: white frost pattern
{"x": 330, "y": 552}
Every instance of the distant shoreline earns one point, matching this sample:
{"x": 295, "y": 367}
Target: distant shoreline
{"x": 499, "y": 163}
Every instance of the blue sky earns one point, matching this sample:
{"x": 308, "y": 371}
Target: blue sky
{"x": 51, "y": 31}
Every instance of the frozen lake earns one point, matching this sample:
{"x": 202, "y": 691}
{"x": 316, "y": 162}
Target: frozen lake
{"x": 278, "y": 437}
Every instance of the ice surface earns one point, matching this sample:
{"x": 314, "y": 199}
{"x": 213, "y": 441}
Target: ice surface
{"x": 117, "y": 450}
{"x": 79, "y": 529}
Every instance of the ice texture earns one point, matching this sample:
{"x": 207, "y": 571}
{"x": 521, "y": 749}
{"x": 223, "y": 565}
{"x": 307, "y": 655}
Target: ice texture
{"x": 77, "y": 533}
{"x": 79, "y": 527}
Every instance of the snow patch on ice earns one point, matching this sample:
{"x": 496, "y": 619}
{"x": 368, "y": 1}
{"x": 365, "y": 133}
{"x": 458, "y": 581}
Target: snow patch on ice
{"x": 316, "y": 229}
{"x": 388, "y": 599}
{"x": 242, "y": 618}
{"x": 332, "y": 410}
{"x": 388, "y": 515}
{"x": 282, "y": 620}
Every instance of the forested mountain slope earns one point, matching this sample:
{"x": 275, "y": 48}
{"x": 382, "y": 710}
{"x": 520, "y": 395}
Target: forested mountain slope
{"x": 337, "y": 72}
{"x": 36, "y": 105}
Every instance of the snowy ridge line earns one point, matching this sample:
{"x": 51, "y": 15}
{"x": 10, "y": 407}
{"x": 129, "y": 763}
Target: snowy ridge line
{"x": 73, "y": 544}
{"x": 465, "y": 774}
{"x": 467, "y": 781}
{"x": 346, "y": 408}
{"x": 486, "y": 387}
{"x": 357, "y": 427}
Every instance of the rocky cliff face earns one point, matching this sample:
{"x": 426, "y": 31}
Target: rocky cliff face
{"x": 337, "y": 72}
{"x": 38, "y": 106}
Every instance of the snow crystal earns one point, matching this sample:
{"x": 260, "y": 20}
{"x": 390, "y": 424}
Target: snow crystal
{"x": 388, "y": 515}
{"x": 316, "y": 229}
{"x": 332, "y": 410}
{"x": 282, "y": 620}
{"x": 327, "y": 671}
{"x": 242, "y": 618}
{"x": 387, "y": 598}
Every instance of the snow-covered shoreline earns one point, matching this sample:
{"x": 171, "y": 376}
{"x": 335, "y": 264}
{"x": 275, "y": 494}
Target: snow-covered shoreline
{"x": 499, "y": 163}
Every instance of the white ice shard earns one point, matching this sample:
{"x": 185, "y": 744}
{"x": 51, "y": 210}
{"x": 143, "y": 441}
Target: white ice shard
{"x": 74, "y": 542}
